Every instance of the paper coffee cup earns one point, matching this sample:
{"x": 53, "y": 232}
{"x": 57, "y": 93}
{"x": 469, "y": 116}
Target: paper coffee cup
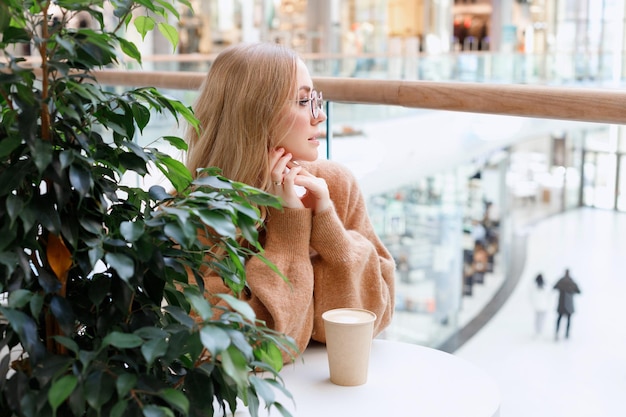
{"x": 349, "y": 333}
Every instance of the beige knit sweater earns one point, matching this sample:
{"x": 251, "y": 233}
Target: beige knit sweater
{"x": 331, "y": 259}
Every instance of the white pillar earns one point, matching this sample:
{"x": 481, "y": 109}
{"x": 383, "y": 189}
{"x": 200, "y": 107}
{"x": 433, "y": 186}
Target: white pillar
{"x": 503, "y": 33}
{"x": 322, "y": 23}
{"x": 249, "y": 33}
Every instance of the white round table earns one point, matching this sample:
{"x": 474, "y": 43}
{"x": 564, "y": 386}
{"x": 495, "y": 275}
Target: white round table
{"x": 403, "y": 380}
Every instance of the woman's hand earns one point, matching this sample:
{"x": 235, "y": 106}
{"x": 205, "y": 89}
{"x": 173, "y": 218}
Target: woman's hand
{"x": 317, "y": 196}
{"x": 283, "y": 178}
{"x": 287, "y": 174}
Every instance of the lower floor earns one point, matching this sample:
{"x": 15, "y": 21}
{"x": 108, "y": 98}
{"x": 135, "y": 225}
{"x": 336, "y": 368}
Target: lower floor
{"x": 585, "y": 374}
{"x": 431, "y": 225}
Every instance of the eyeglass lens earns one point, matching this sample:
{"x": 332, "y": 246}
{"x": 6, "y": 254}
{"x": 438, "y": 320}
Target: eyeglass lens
{"x": 317, "y": 103}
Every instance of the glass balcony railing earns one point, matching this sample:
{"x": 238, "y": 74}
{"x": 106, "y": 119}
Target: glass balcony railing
{"x": 430, "y": 175}
{"x": 492, "y": 67}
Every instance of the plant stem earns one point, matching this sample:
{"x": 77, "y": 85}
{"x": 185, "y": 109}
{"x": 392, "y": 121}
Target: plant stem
{"x": 45, "y": 113}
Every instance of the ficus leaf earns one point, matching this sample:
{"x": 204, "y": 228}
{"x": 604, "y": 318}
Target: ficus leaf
{"x": 175, "y": 398}
{"x": 5, "y": 17}
{"x": 215, "y": 339}
{"x": 48, "y": 281}
{"x": 8, "y": 145}
{"x": 159, "y": 193}
{"x": 98, "y": 388}
{"x": 59, "y": 257}
{"x": 176, "y": 142}
{"x": 80, "y": 179}
{"x": 125, "y": 383}
{"x": 27, "y": 330}
{"x": 270, "y": 354}
{"x": 143, "y": 24}
{"x": 169, "y": 32}
{"x": 19, "y": 298}
{"x": 153, "y": 349}
{"x": 131, "y": 231}
{"x": 130, "y": 49}
{"x": 219, "y": 222}
{"x": 234, "y": 364}
{"x": 67, "y": 342}
{"x": 119, "y": 409}
{"x": 241, "y": 307}
{"x": 124, "y": 265}
{"x": 62, "y": 311}
{"x": 122, "y": 340}
{"x": 61, "y": 390}
{"x": 200, "y": 305}
{"x": 42, "y": 154}
{"x": 171, "y": 9}
{"x": 263, "y": 389}
{"x": 151, "y": 410}
{"x": 175, "y": 171}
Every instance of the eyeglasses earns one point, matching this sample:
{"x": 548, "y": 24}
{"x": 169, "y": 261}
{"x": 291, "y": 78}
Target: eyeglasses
{"x": 316, "y": 101}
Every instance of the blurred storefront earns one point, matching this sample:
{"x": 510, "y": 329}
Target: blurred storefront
{"x": 586, "y": 28}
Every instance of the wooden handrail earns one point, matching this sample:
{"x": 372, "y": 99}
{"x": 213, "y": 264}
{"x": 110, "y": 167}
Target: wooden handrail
{"x": 600, "y": 105}
{"x": 177, "y": 80}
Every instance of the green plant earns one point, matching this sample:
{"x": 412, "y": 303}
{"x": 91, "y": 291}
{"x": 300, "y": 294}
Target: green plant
{"x": 95, "y": 272}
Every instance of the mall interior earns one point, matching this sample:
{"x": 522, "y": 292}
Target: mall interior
{"x": 435, "y": 180}
{"x": 535, "y": 194}
{"x": 472, "y": 206}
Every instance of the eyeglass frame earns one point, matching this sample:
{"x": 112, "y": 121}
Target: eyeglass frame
{"x": 316, "y": 103}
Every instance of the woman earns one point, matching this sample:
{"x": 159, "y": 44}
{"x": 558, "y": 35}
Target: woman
{"x": 260, "y": 122}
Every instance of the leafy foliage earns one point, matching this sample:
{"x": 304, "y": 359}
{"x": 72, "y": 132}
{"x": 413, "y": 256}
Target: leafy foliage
{"x": 99, "y": 316}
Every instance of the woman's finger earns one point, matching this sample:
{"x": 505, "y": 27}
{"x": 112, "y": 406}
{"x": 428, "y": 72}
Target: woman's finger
{"x": 290, "y": 177}
{"x": 278, "y": 163}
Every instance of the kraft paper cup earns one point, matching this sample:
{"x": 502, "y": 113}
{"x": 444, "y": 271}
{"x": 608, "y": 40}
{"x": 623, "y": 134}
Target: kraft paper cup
{"x": 349, "y": 333}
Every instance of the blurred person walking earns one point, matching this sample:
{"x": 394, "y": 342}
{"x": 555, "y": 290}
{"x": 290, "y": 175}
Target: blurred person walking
{"x": 567, "y": 287}
{"x": 539, "y": 298}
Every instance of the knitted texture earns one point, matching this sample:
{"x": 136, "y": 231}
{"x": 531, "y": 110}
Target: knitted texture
{"x": 331, "y": 259}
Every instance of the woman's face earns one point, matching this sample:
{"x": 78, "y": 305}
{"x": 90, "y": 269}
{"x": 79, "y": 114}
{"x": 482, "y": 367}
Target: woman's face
{"x": 298, "y": 128}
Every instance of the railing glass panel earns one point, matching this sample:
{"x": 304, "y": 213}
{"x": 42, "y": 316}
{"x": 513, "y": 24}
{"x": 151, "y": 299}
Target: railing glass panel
{"x": 429, "y": 176}
{"x": 513, "y": 68}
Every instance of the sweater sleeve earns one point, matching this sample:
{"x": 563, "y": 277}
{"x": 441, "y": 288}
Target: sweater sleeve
{"x": 330, "y": 259}
{"x": 352, "y": 267}
{"x": 285, "y": 305}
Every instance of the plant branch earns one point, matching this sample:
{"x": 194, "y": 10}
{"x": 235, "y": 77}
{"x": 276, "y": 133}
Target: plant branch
{"x": 45, "y": 113}
{"x": 6, "y": 98}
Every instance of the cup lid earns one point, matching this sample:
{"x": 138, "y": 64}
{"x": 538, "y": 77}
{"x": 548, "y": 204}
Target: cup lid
{"x": 349, "y": 316}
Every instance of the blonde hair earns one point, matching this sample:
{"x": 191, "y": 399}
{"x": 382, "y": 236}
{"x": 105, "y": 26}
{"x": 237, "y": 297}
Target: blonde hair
{"x": 239, "y": 107}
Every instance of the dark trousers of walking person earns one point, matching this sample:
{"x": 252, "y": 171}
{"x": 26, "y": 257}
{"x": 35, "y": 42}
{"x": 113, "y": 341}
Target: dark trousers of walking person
{"x": 558, "y": 322}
